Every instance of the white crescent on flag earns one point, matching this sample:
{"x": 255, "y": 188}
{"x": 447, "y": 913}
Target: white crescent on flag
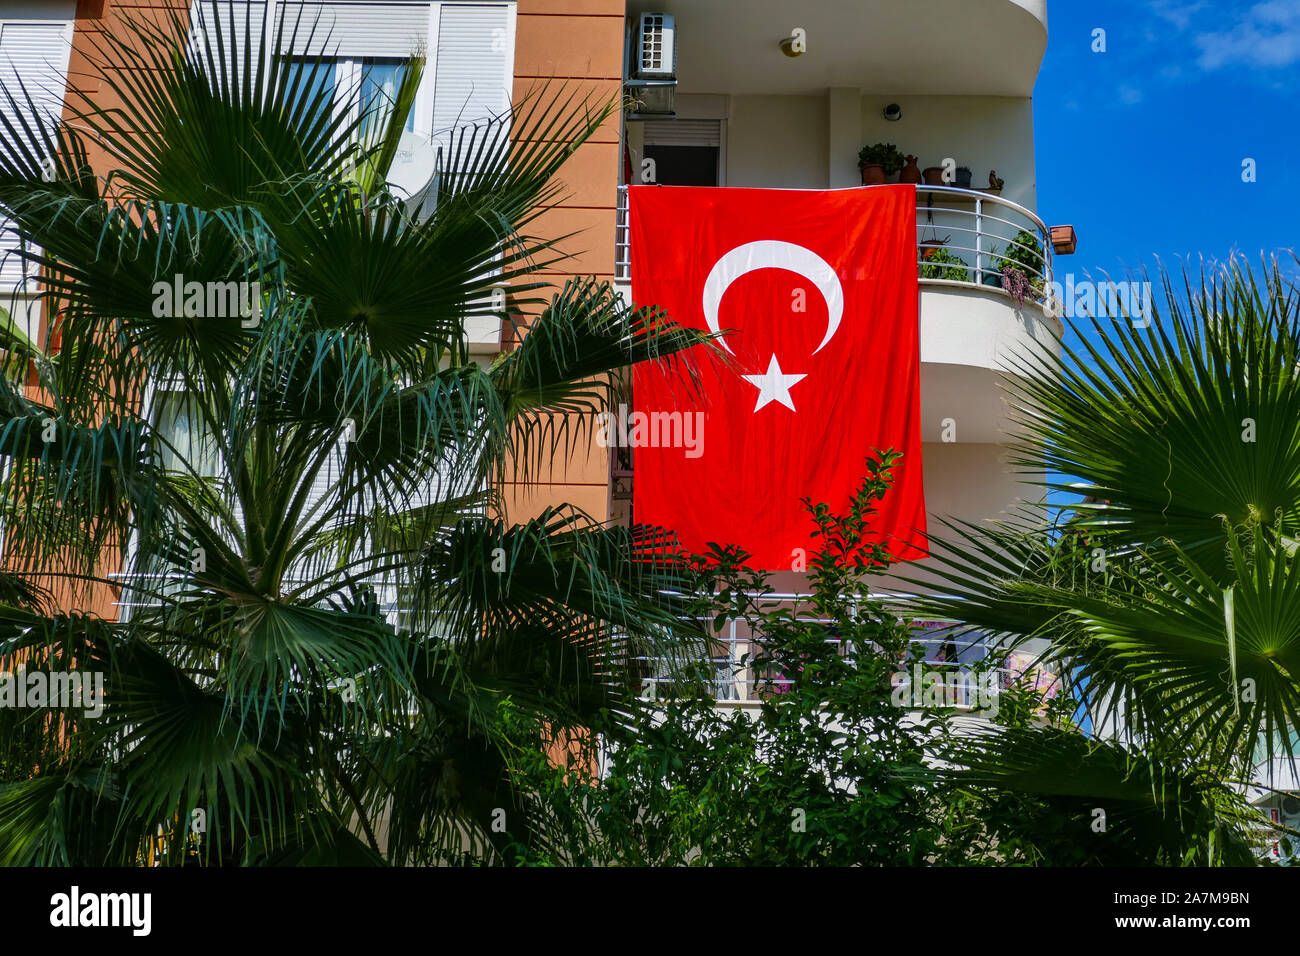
{"x": 772, "y": 254}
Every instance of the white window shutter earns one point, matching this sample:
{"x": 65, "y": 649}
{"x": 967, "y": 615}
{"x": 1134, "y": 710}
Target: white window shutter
{"x": 352, "y": 29}
{"x": 239, "y": 23}
{"x": 474, "y": 70}
{"x": 34, "y": 53}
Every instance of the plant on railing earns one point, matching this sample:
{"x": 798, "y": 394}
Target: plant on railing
{"x": 1023, "y": 267}
{"x": 1019, "y": 285}
{"x": 939, "y": 263}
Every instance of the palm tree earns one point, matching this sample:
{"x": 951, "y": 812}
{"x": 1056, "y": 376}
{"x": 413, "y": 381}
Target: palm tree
{"x": 326, "y": 603}
{"x": 1170, "y": 586}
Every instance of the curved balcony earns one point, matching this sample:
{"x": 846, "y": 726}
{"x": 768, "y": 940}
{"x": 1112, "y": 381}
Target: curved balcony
{"x": 965, "y": 237}
{"x": 941, "y": 47}
{"x": 969, "y": 236}
{"x": 973, "y": 330}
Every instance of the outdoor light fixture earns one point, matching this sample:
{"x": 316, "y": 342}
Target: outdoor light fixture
{"x": 893, "y": 112}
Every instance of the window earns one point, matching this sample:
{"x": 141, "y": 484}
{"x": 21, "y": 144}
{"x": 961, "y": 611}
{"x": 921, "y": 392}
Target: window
{"x": 324, "y": 83}
{"x": 469, "y": 50}
{"x": 311, "y": 83}
{"x": 186, "y": 445}
{"x": 33, "y": 56}
{"x": 380, "y": 80}
{"x": 685, "y": 152}
{"x": 472, "y": 66}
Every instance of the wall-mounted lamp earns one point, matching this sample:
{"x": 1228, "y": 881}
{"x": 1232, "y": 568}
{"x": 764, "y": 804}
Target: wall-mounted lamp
{"x": 893, "y": 112}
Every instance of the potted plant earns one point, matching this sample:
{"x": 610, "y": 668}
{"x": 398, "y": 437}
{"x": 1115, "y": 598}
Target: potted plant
{"x": 929, "y": 245}
{"x": 879, "y": 162}
{"x": 1023, "y": 266}
{"x": 938, "y": 263}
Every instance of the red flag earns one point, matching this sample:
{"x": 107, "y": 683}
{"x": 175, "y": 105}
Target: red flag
{"x": 819, "y": 289}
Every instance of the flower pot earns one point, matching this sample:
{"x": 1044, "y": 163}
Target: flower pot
{"x": 963, "y": 177}
{"x": 911, "y": 173}
{"x": 873, "y": 175}
{"x": 933, "y": 176}
{"x": 1064, "y": 241}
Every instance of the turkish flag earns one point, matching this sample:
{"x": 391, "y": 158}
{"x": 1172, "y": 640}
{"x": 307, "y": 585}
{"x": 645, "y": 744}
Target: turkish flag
{"x": 817, "y": 294}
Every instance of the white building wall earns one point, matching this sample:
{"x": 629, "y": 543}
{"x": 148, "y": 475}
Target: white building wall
{"x": 784, "y": 141}
{"x": 777, "y": 141}
{"x": 982, "y": 132}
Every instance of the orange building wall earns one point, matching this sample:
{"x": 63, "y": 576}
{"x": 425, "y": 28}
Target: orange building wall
{"x": 579, "y": 43}
{"x": 92, "y": 19}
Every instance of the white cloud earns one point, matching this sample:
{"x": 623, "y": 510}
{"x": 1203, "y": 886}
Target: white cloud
{"x": 1130, "y": 95}
{"x": 1266, "y": 37}
{"x": 1178, "y": 12}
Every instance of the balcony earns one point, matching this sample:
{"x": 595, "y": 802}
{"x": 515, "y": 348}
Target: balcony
{"x": 940, "y": 47}
{"x": 964, "y": 236}
{"x": 738, "y": 684}
{"x": 972, "y": 329}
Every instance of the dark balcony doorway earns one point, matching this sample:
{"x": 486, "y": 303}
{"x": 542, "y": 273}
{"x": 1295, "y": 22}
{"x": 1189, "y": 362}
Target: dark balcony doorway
{"x": 684, "y": 165}
{"x": 685, "y": 152}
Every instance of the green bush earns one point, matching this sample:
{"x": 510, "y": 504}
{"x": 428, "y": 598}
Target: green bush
{"x": 1025, "y": 253}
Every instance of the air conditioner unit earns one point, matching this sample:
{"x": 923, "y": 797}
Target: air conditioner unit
{"x": 652, "y": 66}
{"x": 1291, "y": 811}
{"x": 655, "y": 46}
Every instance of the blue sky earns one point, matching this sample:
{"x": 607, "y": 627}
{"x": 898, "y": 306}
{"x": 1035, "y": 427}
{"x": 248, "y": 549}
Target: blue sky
{"x": 1141, "y": 147}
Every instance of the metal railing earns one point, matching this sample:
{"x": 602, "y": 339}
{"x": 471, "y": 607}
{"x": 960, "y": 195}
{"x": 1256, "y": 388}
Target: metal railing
{"x": 969, "y": 236}
{"x": 387, "y": 595}
{"x": 963, "y": 235}
{"x": 737, "y": 681}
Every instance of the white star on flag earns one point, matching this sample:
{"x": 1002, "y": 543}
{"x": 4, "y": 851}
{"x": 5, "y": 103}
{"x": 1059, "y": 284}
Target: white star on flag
{"x": 773, "y": 386}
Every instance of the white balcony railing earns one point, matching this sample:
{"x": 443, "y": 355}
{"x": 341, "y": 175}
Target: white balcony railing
{"x": 737, "y": 681}
{"x": 964, "y": 236}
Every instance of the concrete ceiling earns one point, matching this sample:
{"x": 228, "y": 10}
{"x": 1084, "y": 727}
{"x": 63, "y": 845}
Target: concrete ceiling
{"x": 945, "y": 47}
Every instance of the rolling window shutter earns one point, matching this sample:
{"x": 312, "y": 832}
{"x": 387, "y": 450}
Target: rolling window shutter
{"x": 241, "y": 24}
{"x": 353, "y": 30}
{"x": 35, "y": 54}
{"x": 683, "y": 132}
{"x": 474, "y": 74}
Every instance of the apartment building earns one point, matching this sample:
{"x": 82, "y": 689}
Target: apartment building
{"x": 718, "y": 93}
{"x": 782, "y": 96}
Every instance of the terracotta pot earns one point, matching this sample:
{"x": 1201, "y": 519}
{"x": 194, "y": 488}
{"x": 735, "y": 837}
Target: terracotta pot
{"x": 911, "y": 172}
{"x": 1064, "y": 240}
{"x": 933, "y": 176}
{"x": 873, "y": 175}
